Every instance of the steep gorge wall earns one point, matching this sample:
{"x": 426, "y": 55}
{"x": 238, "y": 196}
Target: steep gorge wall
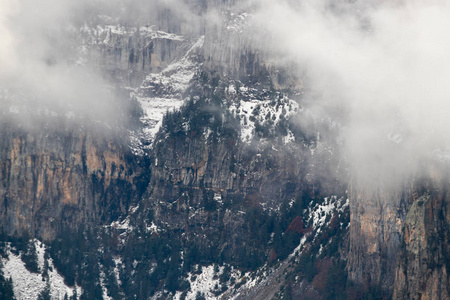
{"x": 376, "y": 218}
{"x": 128, "y": 54}
{"x": 62, "y": 177}
{"x": 399, "y": 238}
{"x": 423, "y": 264}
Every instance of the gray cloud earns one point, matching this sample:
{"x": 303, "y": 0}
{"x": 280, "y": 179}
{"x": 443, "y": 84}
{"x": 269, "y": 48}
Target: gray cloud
{"x": 41, "y": 47}
{"x": 39, "y": 75}
{"x": 380, "y": 69}
{"x": 386, "y": 66}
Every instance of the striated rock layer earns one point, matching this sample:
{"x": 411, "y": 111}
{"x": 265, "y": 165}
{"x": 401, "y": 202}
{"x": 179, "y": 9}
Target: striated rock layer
{"x": 399, "y": 237}
{"x": 62, "y": 177}
{"x": 423, "y": 263}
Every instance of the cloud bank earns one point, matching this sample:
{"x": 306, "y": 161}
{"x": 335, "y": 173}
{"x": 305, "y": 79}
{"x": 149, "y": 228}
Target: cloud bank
{"x": 39, "y": 72}
{"x": 41, "y": 47}
{"x": 381, "y": 69}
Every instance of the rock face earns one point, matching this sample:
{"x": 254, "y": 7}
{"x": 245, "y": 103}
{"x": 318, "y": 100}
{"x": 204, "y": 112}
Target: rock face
{"x": 128, "y": 54}
{"x": 229, "y": 176}
{"x": 56, "y": 178}
{"x": 203, "y": 172}
{"x": 376, "y": 218}
{"x": 423, "y": 264}
{"x": 399, "y": 240}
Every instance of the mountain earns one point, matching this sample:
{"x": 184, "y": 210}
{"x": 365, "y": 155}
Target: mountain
{"x": 169, "y": 152}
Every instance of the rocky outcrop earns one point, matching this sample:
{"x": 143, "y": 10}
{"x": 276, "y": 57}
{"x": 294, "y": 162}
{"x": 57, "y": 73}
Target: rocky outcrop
{"x": 399, "y": 237}
{"x": 128, "y": 54}
{"x": 422, "y": 269}
{"x": 51, "y": 178}
{"x": 375, "y": 234}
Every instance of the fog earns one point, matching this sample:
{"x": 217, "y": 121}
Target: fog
{"x": 40, "y": 72}
{"x": 42, "y": 69}
{"x": 382, "y": 70}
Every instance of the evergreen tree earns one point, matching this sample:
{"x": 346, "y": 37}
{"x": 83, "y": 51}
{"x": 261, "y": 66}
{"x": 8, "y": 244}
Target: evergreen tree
{"x": 6, "y": 289}
{"x": 6, "y": 286}
{"x": 45, "y": 294}
{"x": 29, "y": 257}
{"x": 74, "y": 295}
{"x": 46, "y": 266}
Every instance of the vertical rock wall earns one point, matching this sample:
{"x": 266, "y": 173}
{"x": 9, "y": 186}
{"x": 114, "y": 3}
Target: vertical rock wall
{"x": 375, "y": 233}
{"x": 54, "y": 178}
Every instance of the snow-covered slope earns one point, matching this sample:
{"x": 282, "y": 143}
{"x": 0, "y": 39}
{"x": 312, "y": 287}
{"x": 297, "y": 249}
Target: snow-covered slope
{"x": 162, "y": 92}
{"x": 253, "y": 108}
{"x": 28, "y": 285}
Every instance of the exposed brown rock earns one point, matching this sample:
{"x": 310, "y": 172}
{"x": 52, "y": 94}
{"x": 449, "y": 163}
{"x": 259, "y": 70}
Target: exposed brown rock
{"x": 60, "y": 179}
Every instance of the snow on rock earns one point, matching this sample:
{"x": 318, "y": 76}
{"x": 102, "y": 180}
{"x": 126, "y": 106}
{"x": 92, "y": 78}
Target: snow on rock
{"x": 102, "y": 34}
{"x": 298, "y": 249}
{"x": 102, "y": 284}
{"x": 252, "y": 109}
{"x": 319, "y": 212}
{"x": 203, "y": 283}
{"x": 218, "y": 198}
{"x": 122, "y": 225}
{"x": 152, "y": 228}
{"x": 289, "y": 138}
{"x": 163, "y": 91}
{"x": 118, "y": 265}
{"x": 238, "y": 22}
{"x": 154, "y": 110}
{"x": 28, "y": 285}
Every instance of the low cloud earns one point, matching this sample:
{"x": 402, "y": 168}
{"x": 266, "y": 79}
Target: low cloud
{"x": 41, "y": 53}
{"x": 40, "y": 73}
{"x": 381, "y": 70}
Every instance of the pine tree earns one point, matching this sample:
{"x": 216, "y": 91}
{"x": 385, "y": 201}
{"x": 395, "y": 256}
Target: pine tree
{"x": 29, "y": 257}
{"x": 74, "y": 295}
{"x": 45, "y": 268}
{"x": 6, "y": 289}
{"x": 45, "y": 294}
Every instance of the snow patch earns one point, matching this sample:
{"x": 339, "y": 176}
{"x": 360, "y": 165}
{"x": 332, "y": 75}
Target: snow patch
{"x": 203, "y": 283}
{"x": 102, "y": 34}
{"x": 163, "y": 92}
{"x": 251, "y": 110}
{"x": 117, "y": 267}
{"x": 238, "y": 23}
{"x": 122, "y": 225}
{"x": 28, "y": 285}
{"x": 298, "y": 249}
{"x": 102, "y": 284}
{"x": 152, "y": 228}
{"x": 319, "y": 212}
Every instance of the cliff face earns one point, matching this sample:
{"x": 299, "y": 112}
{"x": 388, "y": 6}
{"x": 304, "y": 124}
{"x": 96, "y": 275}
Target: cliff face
{"x": 127, "y": 54}
{"x": 54, "y": 178}
{"x": 376, "y": 218}
{"x": 60, "y": 170}
{"x": 399, "y": 239}
{"x": 240, "y": 172}
{"x": 422, "y": 268}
